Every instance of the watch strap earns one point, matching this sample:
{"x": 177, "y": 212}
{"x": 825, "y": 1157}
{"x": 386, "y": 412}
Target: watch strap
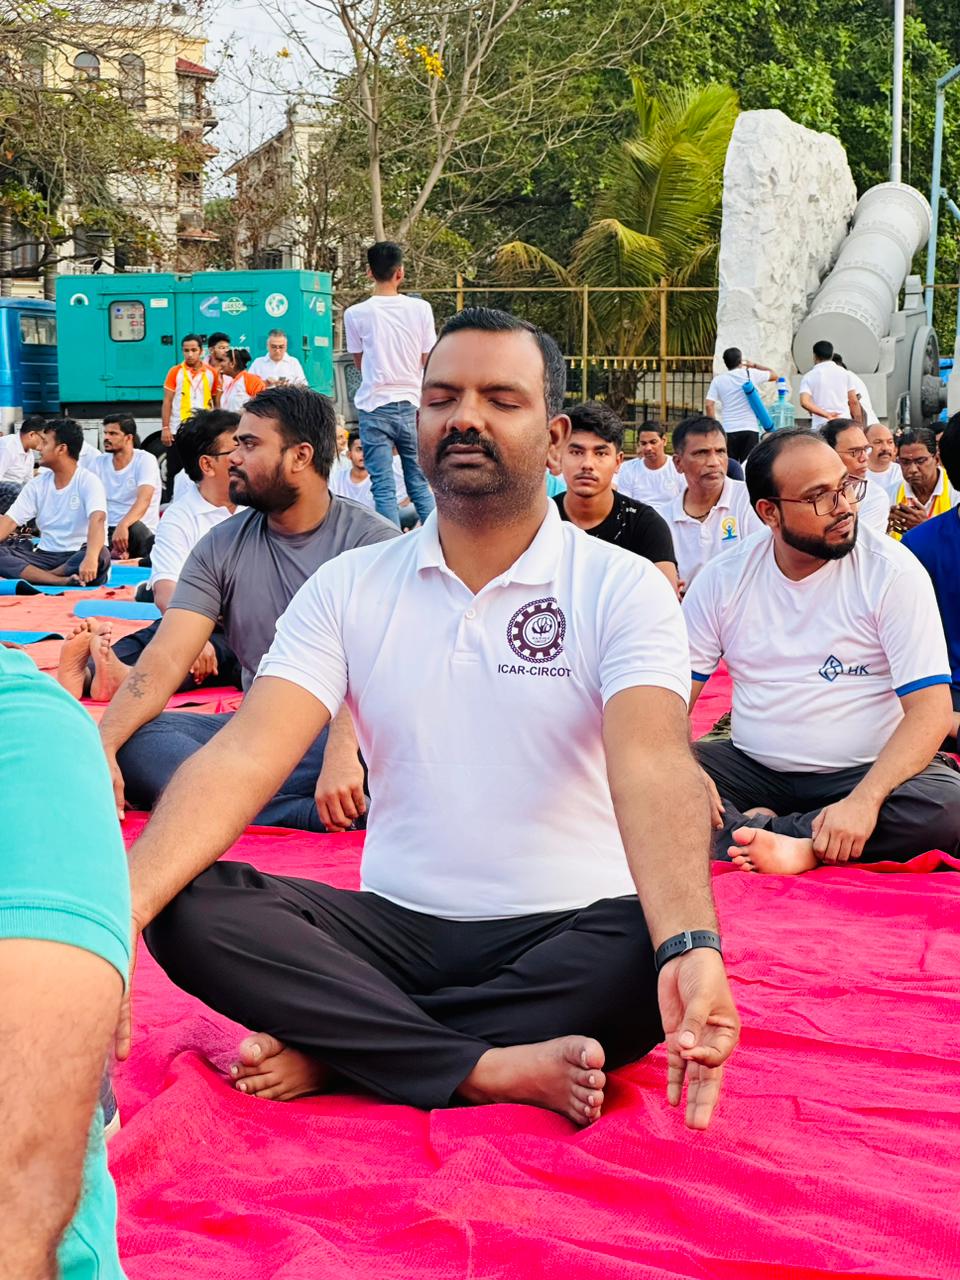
{"x": 681, "y": 943}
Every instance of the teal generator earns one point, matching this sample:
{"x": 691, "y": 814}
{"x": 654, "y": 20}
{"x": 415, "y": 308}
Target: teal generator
{"x": 117, "y": 335}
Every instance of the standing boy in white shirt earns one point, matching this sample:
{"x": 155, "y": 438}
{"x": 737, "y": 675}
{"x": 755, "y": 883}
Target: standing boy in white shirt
{"x": 69, "y": 507}
{"x": 826, "y": 390}
{"x": 841, "y": 684}
{"x": 390, "y": 336}
{"x": 739, "y": 421}
{"x": 131, "y": 481}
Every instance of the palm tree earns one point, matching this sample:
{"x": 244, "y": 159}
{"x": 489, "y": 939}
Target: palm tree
{"x": 657, "y": 215}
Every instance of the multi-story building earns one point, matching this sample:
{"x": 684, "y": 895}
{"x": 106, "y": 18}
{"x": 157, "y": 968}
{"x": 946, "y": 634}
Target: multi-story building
{"x": 152, "y": 55}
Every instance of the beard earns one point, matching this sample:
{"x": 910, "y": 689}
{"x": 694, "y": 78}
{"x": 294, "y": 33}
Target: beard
{"x": 819, "y": 547}
{"x": 498, "y": 492}
{"x": 271, "y": 497}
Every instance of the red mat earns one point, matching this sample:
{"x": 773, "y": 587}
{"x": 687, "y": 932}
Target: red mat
{"x": 831, "y": 1152}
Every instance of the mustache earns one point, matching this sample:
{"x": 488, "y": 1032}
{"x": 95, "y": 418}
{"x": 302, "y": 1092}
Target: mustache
{"x": 472, "y": 439}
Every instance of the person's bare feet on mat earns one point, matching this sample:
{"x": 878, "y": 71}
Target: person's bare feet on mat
{"x": 72, "y": 668}
{"x": 109, "y": 672}
{"x": 770, "y": 853}
{"x": 268, "y": 1069}
{"x": 562, "y": 1075}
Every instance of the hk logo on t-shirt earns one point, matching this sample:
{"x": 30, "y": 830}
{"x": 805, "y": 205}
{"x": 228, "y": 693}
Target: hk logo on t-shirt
{"x": 833, "y": 667}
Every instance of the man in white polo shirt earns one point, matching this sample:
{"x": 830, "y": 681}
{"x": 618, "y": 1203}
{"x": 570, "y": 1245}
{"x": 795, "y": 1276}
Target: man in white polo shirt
{"x": 712, "y": 514}
{"x": 131, "y": 481}
{"x": 883, "y": 468}
{"x": 500, "y": 663}
{"x": 726, "y": 390}
{"x": 849, "y": 440}
{"x": 69, "y": 507}
{"x": 16, "y": 457}
{"x": 826, "y": 390}
{"x": 650, "y": 477}
{"x": 841, "y": 684}
{"x": 278, "y": 367}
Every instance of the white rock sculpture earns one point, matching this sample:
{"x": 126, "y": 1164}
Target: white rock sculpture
{"x": 788, "y": 197}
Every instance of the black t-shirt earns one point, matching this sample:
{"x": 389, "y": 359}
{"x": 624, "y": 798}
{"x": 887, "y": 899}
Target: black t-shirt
{"x": 633, "y": 526}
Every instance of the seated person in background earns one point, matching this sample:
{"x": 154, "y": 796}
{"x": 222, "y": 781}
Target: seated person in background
{"x": 883, "y": 468}
{"x": 826, "y": 390}
{"x": 590, "y": 461}
{"x": 516, "y": 961}
{"x": 64, "y": 958}
{"x": 712, "y": 514}
{"x": 739, "y": 421}
{"x": 244, "y": 573}
{"x": 16, "y": 457}
{"x": 237, "y": 383}
{"x": 936, "y": 544}
{"x": 651, "y": 477}
{"x": 90, "y": 665}
{"x": 849, "y": 440}
{"x": 131, "y": 481}
{"x": 354, "y": 482}
{"x": 841, "y": 693}
{"x": 69, "y": 507}
{"x": 925, "y": 490}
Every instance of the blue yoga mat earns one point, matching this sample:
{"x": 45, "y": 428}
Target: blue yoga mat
{"x": 17, "y": 587}
{"x": 30, "y": 637}
{"x": 127, "y": 575}
{"x": 131, "y": 609}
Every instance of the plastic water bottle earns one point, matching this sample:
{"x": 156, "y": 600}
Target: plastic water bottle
{"x": 784, "y": 413}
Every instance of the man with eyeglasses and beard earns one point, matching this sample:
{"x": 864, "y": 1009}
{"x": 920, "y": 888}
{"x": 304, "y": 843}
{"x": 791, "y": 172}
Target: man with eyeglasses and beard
{"x": 244, "y": 573}
{"x": 841, "y": 683}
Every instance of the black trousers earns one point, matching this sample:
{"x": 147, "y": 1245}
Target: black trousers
{"x": 140, "y": 541}
{"x": 740, "y": 443}
{"x": 401, "y": 1002}
{"x": 129, "y": 648}
{"x": 922, "y": 814}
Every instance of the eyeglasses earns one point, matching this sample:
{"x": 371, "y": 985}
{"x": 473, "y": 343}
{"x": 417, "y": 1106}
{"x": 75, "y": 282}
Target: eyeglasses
{"x": 223, "y": 453}
{"x": 861, "y": 452}
{"x": 824, "y": 504}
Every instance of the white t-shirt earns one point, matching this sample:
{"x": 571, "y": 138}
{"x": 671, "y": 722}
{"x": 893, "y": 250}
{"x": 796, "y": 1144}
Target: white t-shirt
{"x": 875, "y": 508}
{"x": 727, "y": 389}
{"x": 889, "y": 480}
{"x": 344, "y": 487}
{"x": 827, "y": 384}
{"x": 121, "y": 486}
{"x": 61, "y": 515}
{"x": 184, "y": 523}
{"x": 860, "y": 387}
{"x": 182, "y": 485}
{"x": 818, "y": 666}
{"x": 16, "y": 463}
{"x": 288, "y": 367}
{"x": 480, "y": 715}
{"x": 657, "y": 488}
{"x": 725, "y": 527}
{"x": 89, "y": 455}
{"x": 394, "y": 334}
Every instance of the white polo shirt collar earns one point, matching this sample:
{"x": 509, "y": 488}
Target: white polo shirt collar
{"x": 540, "y": 562}
{"x": 723, "y": 504}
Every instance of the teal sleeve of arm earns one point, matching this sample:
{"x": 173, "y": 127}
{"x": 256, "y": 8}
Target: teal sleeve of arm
{"x": 63, "y": 874}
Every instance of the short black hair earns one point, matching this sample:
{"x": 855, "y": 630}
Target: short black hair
{"x": 33, "y": 422}
{"x": 698, "y": 424}
{"x": 659, "y": 428}
{"x": 125, "y": 422}
{"x": 304, "y": 417}
{"x": 383, "y": 258}
{"x": 758, "y": 472}
{"x": 490, "y": 320}
{"x": 66, "y": 431}
{"x": 214, "y": 338}
{"x": 838, "y": 359}
{"x": 732, "y": 357}
{"x": 198, "y": 435}
{"x": 240, "y": 357}
{"x": 833, "y": 426}
{"x": 600, "y": 420}
{"x": 352, "y": 438}
{"x": 823, "y": 349}
{"x": 919, "y": 435}
{"x": 950, "y": 450}
{"x": 191, "y": 337}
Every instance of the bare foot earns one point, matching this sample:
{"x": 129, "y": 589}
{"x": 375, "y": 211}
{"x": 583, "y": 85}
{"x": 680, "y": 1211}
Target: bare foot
{"x": 109, "y": 672}
{"x": 72, "y": 671}
{"x": 774, "y": 855}
{"x": 562, "y": 1075}
{"x": 265, "y": 1068}
{"x": 760, "y": 811}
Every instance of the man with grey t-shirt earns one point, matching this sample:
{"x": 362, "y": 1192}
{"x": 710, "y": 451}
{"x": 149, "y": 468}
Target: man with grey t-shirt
{"x": 244, "y": 572}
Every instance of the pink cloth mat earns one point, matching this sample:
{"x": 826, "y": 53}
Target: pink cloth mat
{"x": 833, "y": 1151}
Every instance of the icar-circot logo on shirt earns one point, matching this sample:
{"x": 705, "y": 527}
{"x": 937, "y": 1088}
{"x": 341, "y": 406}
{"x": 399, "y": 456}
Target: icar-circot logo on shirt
{"x": 536, "y": 631}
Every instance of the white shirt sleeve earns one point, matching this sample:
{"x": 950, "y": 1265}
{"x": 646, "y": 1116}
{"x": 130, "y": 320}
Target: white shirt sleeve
{"x": 643, "y": 640}
{"x": 92, "y": 493}
{"x": 308, "y": 648}
{"x": 911, "y": 631}
{"x": 299, "y": 378}
{"x": 5, "y": 457}
{"x": 429, "y": 338}
{"x": 353, "y": 339}
{"x": 24, "y": 507}
{"x": 171, "y": 547}
{"x": 805, "y": 385}
{"x": 712, "y": 392}
{"x": 703, "y": 630}
{"x": 148, "y": 471}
